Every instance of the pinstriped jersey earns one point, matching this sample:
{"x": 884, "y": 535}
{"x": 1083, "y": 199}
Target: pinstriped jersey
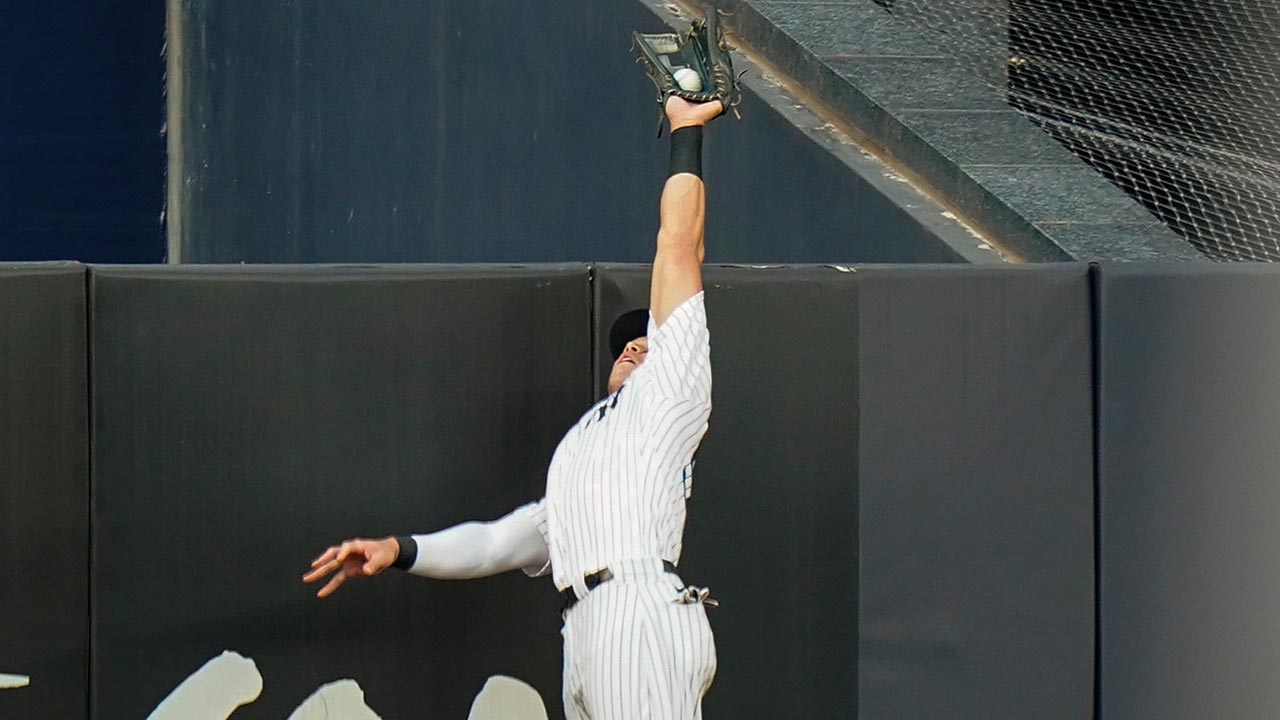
{"x": 617, "y": 483}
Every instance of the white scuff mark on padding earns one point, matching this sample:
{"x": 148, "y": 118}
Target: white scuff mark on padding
{"x": 341, "y": 700}
{"x": 9, "y": 682}
{"x": 506, "y": 698}
{"x": 214, "y": 691}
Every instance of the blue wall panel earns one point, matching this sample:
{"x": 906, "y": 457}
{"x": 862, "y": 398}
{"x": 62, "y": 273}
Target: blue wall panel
{"x": 82, "y": 155}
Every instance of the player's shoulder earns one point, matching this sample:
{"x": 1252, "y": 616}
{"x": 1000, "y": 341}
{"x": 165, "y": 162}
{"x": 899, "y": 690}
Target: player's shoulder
{"x": 689, "y": 317}
{"x": 694, "y": 307}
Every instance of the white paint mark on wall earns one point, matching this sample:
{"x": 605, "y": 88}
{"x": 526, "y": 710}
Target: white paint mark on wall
{"x": 231, "y": 680}
{"x": 506, "y": 698}
{"x": 341, "y": 700}
{"x": 214, "y": 691}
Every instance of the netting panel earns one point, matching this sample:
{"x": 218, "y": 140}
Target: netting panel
{"x": 1175, "y": 102}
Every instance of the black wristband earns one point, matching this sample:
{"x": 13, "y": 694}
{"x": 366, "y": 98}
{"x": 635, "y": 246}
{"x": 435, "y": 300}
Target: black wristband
{"x": 686, "y": 151}
{"x": 408, "y": 552}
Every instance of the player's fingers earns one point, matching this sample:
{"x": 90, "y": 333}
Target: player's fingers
{"x": 343, "y": 551}
{"x": 325, "y": 557}
{"x": 349, "y": 548}
{"x": 320, "y": 572}
{"x": 333, "y": 584}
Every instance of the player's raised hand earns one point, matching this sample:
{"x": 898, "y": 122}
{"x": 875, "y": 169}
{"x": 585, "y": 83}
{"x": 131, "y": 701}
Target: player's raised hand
{"x": 682, "y": 113}
{"x": 353, "y": 558}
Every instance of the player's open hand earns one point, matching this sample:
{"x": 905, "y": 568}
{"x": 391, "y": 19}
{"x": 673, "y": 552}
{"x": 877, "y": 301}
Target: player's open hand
{"x": 353, "y": 558}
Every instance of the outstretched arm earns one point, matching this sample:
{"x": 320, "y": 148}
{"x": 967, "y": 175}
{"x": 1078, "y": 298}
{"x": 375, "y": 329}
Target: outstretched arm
{"x": 469, "y": 550}
{"x": 677, "y": 264}
{"x": 475, "y": 549}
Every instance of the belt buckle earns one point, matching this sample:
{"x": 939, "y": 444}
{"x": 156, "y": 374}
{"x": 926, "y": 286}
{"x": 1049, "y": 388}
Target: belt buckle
{"x": 592, "y": 580}
{"x": 595, "y": 579}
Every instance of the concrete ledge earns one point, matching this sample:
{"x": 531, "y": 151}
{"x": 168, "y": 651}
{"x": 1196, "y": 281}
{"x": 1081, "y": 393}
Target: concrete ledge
{"x": 918, "y": 229}
{"x": 952, "y": 132}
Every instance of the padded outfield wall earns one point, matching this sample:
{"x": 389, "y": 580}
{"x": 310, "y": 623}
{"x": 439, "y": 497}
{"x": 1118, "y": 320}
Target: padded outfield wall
{"x": 44, "y": 489}
{"x": 895, "y": 502}
{"x": 249, "y": 418}
{"x": 900, "y": 466}
{"x": 1188, "y": 488}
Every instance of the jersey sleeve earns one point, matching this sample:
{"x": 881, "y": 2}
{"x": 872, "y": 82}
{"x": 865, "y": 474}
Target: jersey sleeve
{"x": 678, "y": 364}
{"x": 536, "y": 514}
{"x": 478, "y": 549}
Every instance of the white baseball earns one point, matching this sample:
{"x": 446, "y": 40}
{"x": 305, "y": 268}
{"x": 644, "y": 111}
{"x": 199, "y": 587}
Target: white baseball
{"x": 688, "y": 80}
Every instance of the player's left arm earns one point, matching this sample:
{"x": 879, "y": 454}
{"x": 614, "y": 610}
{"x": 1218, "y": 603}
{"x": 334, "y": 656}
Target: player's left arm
{"x": 681, "y": 247}
{"x": 677, "y": 264}
{"x": 469, "y": 550}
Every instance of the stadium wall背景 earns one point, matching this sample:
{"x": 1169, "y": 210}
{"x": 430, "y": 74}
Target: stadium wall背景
{"x": 895, "y": 499}
{"x": 1188, "y": 461}
{"x": 246, "y": 418}
{"x": 492, "y": 131}
{"x": 44, "y": 491}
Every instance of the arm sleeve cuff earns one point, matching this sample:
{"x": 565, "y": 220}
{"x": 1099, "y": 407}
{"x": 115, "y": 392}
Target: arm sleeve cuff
{"x": 408, "y": 552}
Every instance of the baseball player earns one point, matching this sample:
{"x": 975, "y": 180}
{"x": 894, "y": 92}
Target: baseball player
{"x": 609, "y": 528}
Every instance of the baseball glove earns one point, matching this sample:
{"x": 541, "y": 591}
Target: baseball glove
{"x": 693, "y": 65}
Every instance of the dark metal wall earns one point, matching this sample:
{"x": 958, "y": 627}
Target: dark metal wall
{"x": 44, "y": 490}
{"x": 1187, "y": 475}
{"x": 481, "y": 131}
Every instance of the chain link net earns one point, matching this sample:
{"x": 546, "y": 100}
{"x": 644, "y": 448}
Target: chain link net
{"x": 1176, "y": 102}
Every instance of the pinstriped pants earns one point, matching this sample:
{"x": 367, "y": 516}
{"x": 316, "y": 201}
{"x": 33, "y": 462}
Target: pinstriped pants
{"x": 632, "y": 651}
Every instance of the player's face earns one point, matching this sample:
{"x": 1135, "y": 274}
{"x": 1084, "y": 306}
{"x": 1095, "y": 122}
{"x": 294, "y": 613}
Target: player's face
{"x": 628, "y": 361}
